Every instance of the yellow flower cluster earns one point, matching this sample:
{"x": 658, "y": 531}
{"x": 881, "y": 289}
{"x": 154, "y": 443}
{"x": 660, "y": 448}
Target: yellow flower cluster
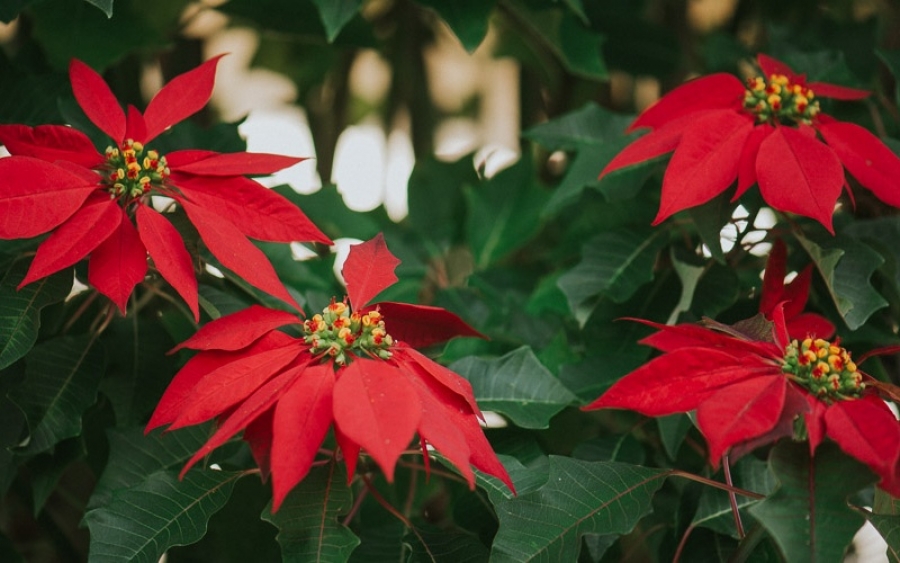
{"x": 823, "y": 367}
{"x": 134, "y": 170}
{"x": 779, "y": 100}
{"x": 337, "y": 331}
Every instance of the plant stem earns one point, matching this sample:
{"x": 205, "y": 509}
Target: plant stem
{"x": 732, "y": 499}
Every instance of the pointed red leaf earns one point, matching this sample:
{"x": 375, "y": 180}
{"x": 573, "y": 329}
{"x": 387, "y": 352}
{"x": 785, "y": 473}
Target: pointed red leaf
{"x": 428, "y": 369}
{"x": 97, "y": 100}
{"x": 239, "y": 164}
{"x": 303, "y": 416}
{"x": 669, "y": 338}
{"x": 170, "y": 257}
{"x": 118, "y": 264}
{"x": 747, "y": 163}
{"x": 235, "y": 252}
{"x": 420, "y": 325}
{"x": 680, "y": 381}
{"x": 135, "y": 126}
{"x": 238, "y": 330}
{"x": 650, "y": 146}
{"x": 716, "y": 91}
{"x": 740, "y": 412}
{"x": 182, "y": 97}
{"x": 773, "y": 278}
{"x": 812, "y": 325}
{"x": 377, "y": 409}
{"x": 866, "y": 157}
{"x": 825, "y": 90}
{"x": 482, "y": 457}
{"x": 799, "y": 174}
{"x": 705, "y": 162}
{"x": 349, "y": 451}
{"x": 230, "y": 384}
{"x": 255, "y": 406}
{"x": 50, "y": 143}
{"x": 794, "y": 405}
{"x": 772, "y": 66}
{"x": 258, "y": 435}
{"x": 255, "y": 210}
{"x": 815, "y": 421}
{"x": 867, "y": 430}
{"x": 437, "y": 427}
{"x": 368, "y": 270}
{"x": 37, "y": 196}
{"x": 74, "y": 239}
{"x": 176, "y": 159}
{"x": 180, "y": 391}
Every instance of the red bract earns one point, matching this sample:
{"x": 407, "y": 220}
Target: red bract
{"x": 101, "y": 204}
{"x": 346, "y": 371}
{"x": 748, "y": 392}
{"x": 794, "y": 295}
{"x": 768, "y": 132}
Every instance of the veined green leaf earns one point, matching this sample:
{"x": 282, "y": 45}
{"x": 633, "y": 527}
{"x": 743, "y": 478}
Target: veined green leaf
{"x": 141, "y": 522}
{"x": 336, "y": 13}
{"x": 467, "y": 18}
{"x": 579, "y": 498}
{"x": 517, "y": 385}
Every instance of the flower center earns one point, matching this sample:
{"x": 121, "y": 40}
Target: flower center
{"x": 132, "y": 170}
{"x": 823, "y": 367}
{"x": 780, "y": 100}
{"x": 337, "y": 331}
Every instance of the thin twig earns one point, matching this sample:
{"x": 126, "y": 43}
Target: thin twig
{"x": 732, "y": 499}
{"x": 387, "y": 506}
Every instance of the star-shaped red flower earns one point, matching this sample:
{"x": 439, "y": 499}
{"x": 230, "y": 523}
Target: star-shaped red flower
{"x": 768, "y": 132}
{"x": 749, "y": 382}
{"x": 100, "y": 204}
{"x": 357, "y": 371}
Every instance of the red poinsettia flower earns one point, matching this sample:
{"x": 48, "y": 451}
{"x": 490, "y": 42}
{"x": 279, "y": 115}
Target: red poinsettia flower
{"x": 346, "y": 370}
{"x": 100, "y": 204}
{"x": 794, "y": 295}
{"x": 768, "y": 132}
{"x": 749, "y": 382}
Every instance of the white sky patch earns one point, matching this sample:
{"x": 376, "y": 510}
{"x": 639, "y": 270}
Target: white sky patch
{"x": 359, "y": 166}
{"x": 284, "y": 130}
{"x": 341, "y": 250}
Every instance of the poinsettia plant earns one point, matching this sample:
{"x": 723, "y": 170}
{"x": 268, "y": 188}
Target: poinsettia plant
{"x": 658, "y": 325}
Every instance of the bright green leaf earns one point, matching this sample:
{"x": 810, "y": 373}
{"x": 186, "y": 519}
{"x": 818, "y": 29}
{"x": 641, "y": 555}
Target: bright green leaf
{"x": 516, "y": 385}
{"x": 467, "y": 18}
{"x": 579, "y": 498}
{"x": 336, "y": 13}
{"x": 309, "y": 519}
{"x": 62, "y": 377}
{"x": 504, "y": 213}
{"x": 808, "y": 514}
{"x": 140, "y": 523}
{"x": 20, "y": 310}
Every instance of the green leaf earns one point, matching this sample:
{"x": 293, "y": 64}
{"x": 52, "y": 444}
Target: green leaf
{"x": 327, "y": 210}
{"x": 504, "y": 212}
{"x": 10, "y": 9}
{"x": 140, "y": 523}
{"x": 672, "y": 431}
{"x": 565, "y": 35}
{"x": 45, "y": 469}
{"x": 891, "y": 59}
{"x": 714, "y": 508}
{"x": 467, "y": 18}
{"x": 579, "y": 498}
{"x": 61, "y": 381}
{"x": 133, "y": 457}
{"x": 614, "y": 264}
{"x": 20, "y": 310}
{"x": 689, "y": 275}
{"x": 336, "y": 13}
{"x": 308, "y": 520}
{"x": 437, "y": 206}
{"x": 105, "y": 5}
{"x": 26, "y": 98}
{"x": 75, "y": 29}
{"x": 808, "y": 515}
{"x": 847, "y": 266}
{"x": 888, "y": 525}
{"x": 439, "y": 545}
{"x": 516, "y": 385}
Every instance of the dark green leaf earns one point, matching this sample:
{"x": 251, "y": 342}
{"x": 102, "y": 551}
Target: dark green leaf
{"x": 437, "y": 545}
{"x": 67, "y": 30}
{"x": 327, "y": 210}
{"x": 62, "y": 377}
{"x": 140, "y": 523}
{"x": 504, "y": 213}
{"x": 808, "y": 514}
{"x": 336, "y": 13}
{"x": 435, "y": 192}
{"x": 105, "y": 5}
{"x": 467, "y": 18}
{"x": 614, "y": 264}
{"x": 892, "y": 60}
{"x": 579, "y": 498}
{"x": 46, "y": 469}
{"x": 309, "y": 519}
{"x": 29, "y": 99}
{"x": 672, "y": 431}
{"x": 10, "y": 9}
{"x": 564, "y": 35}
{"x": 517, "y": 385}
{"x": 133, "y": 457}
{"x": 714, "y": 510}
{"x": 20, "y": 310}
